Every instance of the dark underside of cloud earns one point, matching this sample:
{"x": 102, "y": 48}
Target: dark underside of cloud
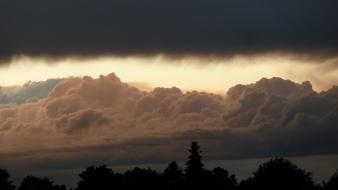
{"x": 84, "y": 121}
{"x": 177, "y": 27}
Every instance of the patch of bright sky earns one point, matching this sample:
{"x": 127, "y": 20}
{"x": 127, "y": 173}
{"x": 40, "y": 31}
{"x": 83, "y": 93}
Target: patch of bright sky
{"x": 190, "y": 73}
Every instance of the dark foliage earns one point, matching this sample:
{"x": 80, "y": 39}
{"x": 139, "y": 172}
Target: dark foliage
{"x": 220, "y": 179}
{"x": 276, "y": 174}
{"x": 101, "y": 177}
{"x": 139, "y": 178}
{"x": 194, "y": 167}
{"x": 332, "y": 184}
{"x": 195, "y": 174}
{"x": 5, "y": 183}
{"x": 35, "y": 183}
{"x": 173, "y": 176}
{"x": 279, "y": 173}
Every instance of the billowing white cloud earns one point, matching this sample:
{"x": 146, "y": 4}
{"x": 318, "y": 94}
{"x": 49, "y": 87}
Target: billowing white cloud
{"x": 105, "y": 120}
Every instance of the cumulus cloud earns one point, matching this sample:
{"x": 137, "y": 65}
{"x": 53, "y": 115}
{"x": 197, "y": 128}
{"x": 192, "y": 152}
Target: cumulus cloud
{"x": 30, "y": 91}
{"x": 105, "y": 120}
{"x": 90, "y": 28}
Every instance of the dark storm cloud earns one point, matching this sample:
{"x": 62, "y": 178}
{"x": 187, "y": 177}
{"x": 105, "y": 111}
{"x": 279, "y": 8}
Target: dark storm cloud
{"x": 126, "y": 27}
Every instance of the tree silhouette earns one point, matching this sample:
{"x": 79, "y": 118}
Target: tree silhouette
{"x": 101, "y": 177}
{"x": 279, "y": 174}
{"x": 139, "y": 178}
{"x": 35, "y": 183}
{"x": 276, "y": 174}
{"x": 5, "y": 184}
{"x": 194, "y": 166}
{"x": 332, "y": 184}
{"x": 195, "y": 172}
{"x": 221, "y": 179}
{"x": 173, "y": 176}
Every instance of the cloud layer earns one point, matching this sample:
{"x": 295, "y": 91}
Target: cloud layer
{"x": 30, "y": 91}
{"x": 105, "y": 120}
{"x": 126, "y": 27}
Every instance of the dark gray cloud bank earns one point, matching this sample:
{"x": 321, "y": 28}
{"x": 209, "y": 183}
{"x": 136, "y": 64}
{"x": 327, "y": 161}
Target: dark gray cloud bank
{"x": 85, "y": 121}
{"x": 177, "y": 27}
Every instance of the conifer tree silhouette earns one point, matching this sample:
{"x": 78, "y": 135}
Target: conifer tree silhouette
{"x": 194, "y": 171}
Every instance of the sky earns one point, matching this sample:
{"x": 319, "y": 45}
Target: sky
{"x": 211, "y": 74}
{"x": 160, "y": 43}
{"x": 97, "y": 81}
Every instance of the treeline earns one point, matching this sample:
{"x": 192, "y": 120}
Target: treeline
{"x": 276, "y": 174}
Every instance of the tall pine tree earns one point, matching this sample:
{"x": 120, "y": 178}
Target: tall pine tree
{"x": 194, "y": 167}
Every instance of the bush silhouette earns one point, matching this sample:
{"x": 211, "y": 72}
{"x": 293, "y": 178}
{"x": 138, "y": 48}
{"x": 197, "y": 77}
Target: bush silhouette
{"x": 139, "y": 178}
{"x": 221, "y": 179}
{"x": 35, "y": 183}
{"x": 173, "y": 176}
{"x": 332, "y": 184}
{"x": 5, "y": 184}
{"x": 278, "y": 174}
{"x": 101, "y": 177}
